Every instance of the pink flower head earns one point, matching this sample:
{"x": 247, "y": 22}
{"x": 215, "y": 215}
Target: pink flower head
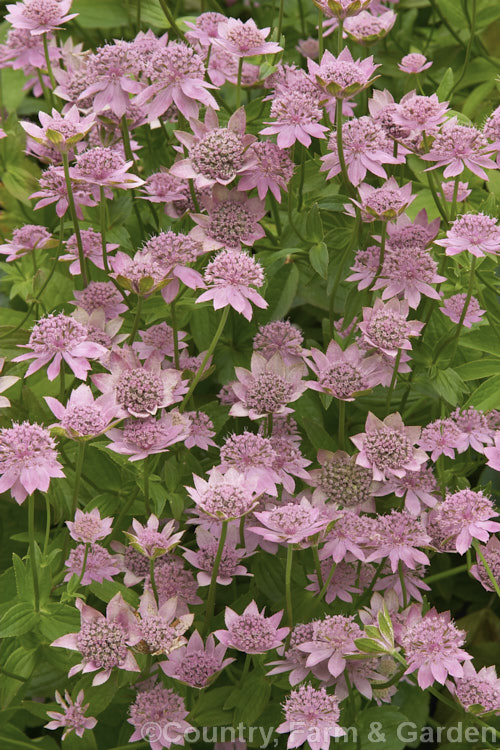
{"x": 204, "y": 558}
{"x": 108, "y": 81}
{"x": 432, "y": 645}
{"x": 477, "y": 692}
{"x": 200, "y": 430}
{"x": 474, "y": 425}
{"x": 366, "y": 28}
{"x": 420, "y": 113}
{"x": 196, "y": 664}
{"x": 280, "y": 337}
{"x": 291, "y": 523}
{"x": 53, "y": 189}
{"x": 462, "y": 517}
{"x": 215, "y": 154}
{"x": 224, "y": 496}
{"x": 88, "y": 528}
{"x": 140, "y": 438}
{"x": 385, "y": 326}
{"x": 163, "y": 187}
{"x": 176, "y": 73}
{"x": 493, "y": 453}
{"x": 170, "y": 253}
{"x": 407, "y": 233}
{"x": 28, "y": 460}
{"x": 158, "y": 338}
{"x": 233, "y": 220}
{"x": 72, "y": 718}
{"x": 140, "y": 388}
{"x": 23, "y": 51}
{"x": 311, "y": 715}
{"x": 414, "y": 63}
{"x": 102, "y": 166}
{"x": 244, "y": 39}
{"x": 398, "y": 535}
{"x": 267, "y": 388}
{"x": 224, "y": 66}
{"x": 173, "y": 580}
{"x": 385, "y": 203}
{"x": 366, "y": 264}
{"x": 349, "y": 536}
{"x": 342, "y": 374}
{"x": 388, "y": 447}
{"x": 103, "y": 640}
{"x": 448, "y": 191}
{"x": 161, "y": 627}
{"x": 296, "y": 112}
{"x": 57, "y": 338}
{"x": 341, "y": 480}
{"x": 6, "y": 382}
{"x": 294, "y": 660}
{"x": 252, "y": 632}
{"x": 231, "y": 277}
{"x": 491, "y": 553}
{"x": 100, "y": 295}
{"x": 366, "y": 147}
{"x": 60, "y": 131}
{"x": 443, "y": 436}
{"x": 453, "y": 308}
{"x": 39, "y": 16}
{"x": 92, "y": 250}
{"x": 342, "y": 584}
{"x": 83, "y": 417}
{"x": 458, "y": 147}
{"x": 99, "y": 565}
{"x": 477, "y": 233}
{"x": 24, "y": 240}
{"x": 418, "y": 489}
{"x": 342, "y": 76}
{"x": 205, "y": 29}
{"x": 253, "y": 455}
{"x": 408, "y": 271}
{"x": 341, "y": 9}
{"x": 272, "y": 169}
{"x": 149, "y": 541}
{"x": 308, "y": 47}
{"x": 333, "y": 639}
{"x": 158, "y": 715}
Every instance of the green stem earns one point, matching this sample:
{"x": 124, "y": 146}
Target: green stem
{"x": 317, "y": 566}
{"x": 207, "y": 356}
{"x": 465, "y": 308}
{"x": 171, "y": 19}
{"x": 146, "y": 485}
{"x": 84, "y": 564}
{"x": 62, "y": 384}
{"x": 403, "y": 584}
{"x": 102, "y": 206}
{"x": 327, "y": 582}
{"x": 393, "y": 380}
{"x": 288, "y": 591}
{"x": 78, "y": 475}
{"x": 446, "y": 574}
{"x": 152, "y": 578}
{"x": 74, "y": 218}
{"x": 340, "y": 145}
{"x": 47, "y": 525}
{"x": 175, "y": 335}
{"x": 276, "y": 215}
{"x": 453, "y": 212}
{"x": 129, "y": 155}
{"x": 33, "y": 562}
{"x": 472, "y": 27}
{"x": 487, "y": 568}
{"x": 320, "y": 35}
{"x": 213, "y": 581}
{"x": 194, "y": 197}
{"x": 340, "y": 36}
{"x": 280, "y": 20}
{"x": 246, "y": 668}
{"x": 238, "y": 81}
{"x": 341, "y": 427}
{"x": 137, "y": 320}
{"x": 383, "y": 238}
{"x": 49, "y": 66}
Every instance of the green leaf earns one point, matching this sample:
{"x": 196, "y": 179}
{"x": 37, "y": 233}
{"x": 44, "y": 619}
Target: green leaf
{"x": 449, "y": 385}
{"x": 208, "y": 710}
{"x": 100, "y": 14}
{"x": 253, "y": 699}
{"x": 314, "y": 225}
{"x": 487, "y": 395}
{"x": 481, "y": 340}
{"x": 478, "y": 369}
{"x": 369, "y": 647}
{"x": 19, "y": 619}
{"x": 58, "y": 619}
{"x": 318, "y": 255}
{"x": 287, "y": 295}
{"x": 446, "y": 85}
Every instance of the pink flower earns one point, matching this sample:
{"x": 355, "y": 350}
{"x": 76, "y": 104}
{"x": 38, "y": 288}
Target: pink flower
{"x": 100, "y": 295}
{"x": 230, "y": 278}
{"x": 385, "y": 326}
{"x": 39, "y": 16}
{"x": 388, "y": 447}
{"x": 341, "y": 480}
{"x": 308, "y": 47}
{"x": 92, "y": 250}
{"x": 414, "y": 63}
{"x": 418, "y": 489}
{"x": 493, "y": 453}
{"x": 196, "y": 664}
{"x": 453, "y": 308}
{"x": 252, "y": 632}
{"x": 343, "y": 8}
{"x": 99, "y": 565}
{"x": 204, "y": 557}
{"x": 462, "y": 517}
{"x": 477, "y": 689}
{"x": 244, "y": 39}
{"x": 297, "y": 115}
{"x": 224, "y": 496}
{"x": 491, "y": 553}
{"x": 149, "y": 541}
{"x": 162, "y": 628}
{"x": 83, "y": 417}
{"x": 170, "y": 253}
{"x": 28, "y": 460}
{"x": 406, "y": 233}
{"x": 477, "y": 233}
{"x": 103, "y": 166}
{"x": 342, "y": 76}
{"x": 6, "y": 382}
{"x": 474, "y": 424}
{"x": 333, "y": 639}
{"x": 140, "y": 389}
{"x": 294, "y": 660}
{"x": 140, "y": 438}
{"x": 397, "y": 536}
{"x": 366, "y": 263}
{"x": 205, "y": 29}
{"x": 291, "y": 523}
{"x": 163, "y": 187}
{"x": 272, "y": 170}
{"x": 432, "y": 645}
{"x": 267, "y": 388}
{"x": 458, "y": 147}
{"x": 342, "y": 374}
{"x": 366, "y": 28}
{"x": 385, "y": 203}
{"x": 53, "y": 189}
{"x": 342, "y": 584}
{"x": 88, "y": 528}
{"x": 200, "y": 430}
{"x": 57, "y": 338}
{"x": 366, "y": 147}
{"x": 223, "y": 66}
{"x": 409, "y": 271}
{"x": 233, "y": 220}
{"x": 23, "y": 51}
{"x": 348, "y": 537}
{"x": 25, "y": 240}
{"x": 443, "y": 436}
{"x": 60, "y": 131}
{"x": 420, "y": 113}
{"x": 109, "y": 79}
{"x": 158, "y": 714}
{"x": 311, "y": 716}
{"x": 448, "y": 191}
{"x": 173, "y": 580}
{"x": 158, "y": 338}
{"x": 255, "y": 457}
{"x": 176, "y": 73}
{"x": 103, "y": 640}
{"x": 73, "y": 717}
{"x": 280, "y": 337}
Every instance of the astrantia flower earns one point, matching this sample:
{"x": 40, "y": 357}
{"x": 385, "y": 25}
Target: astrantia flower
{"x": 463, "y": 516}
{"x": 205, "y": 29}
{"x": 24, "y": 51}
{"x": 252, "y": 632}
{"x": 39, "y": 16}
{"x": 254, "y": 456}
{"x": 409, "y": 271}
{"x": 88, "y": 528}
{"x": 204, "y": 557}
{"x": 140, "y": 438}
{"x": 297, "y": 116}
{"x": 388, "y": 447}
{"x": 443, "y": 436}
{"x": 158, "y": 715}
{"x": 384, "y": 203}
{"x": 149, "y": 541}
{"x": 215, "y": 154}
{"x": 493, "y": 453}
{"x": 474, "y": 424}
{"x": 477, "y": 233}
{"x": 311, "y": 716}
{"x": 418, "y": 489}
{"x": 344, "y": 582}
{"x": 267, "y": 388}
{"x": 158, "y": 338}
{"x": 6, "y": 382}
{"x": 100, "y": 295}
{"x": 99, "y": 564}
{"x": 491, "y": 553}
{"x": 366, "y": 28}
{"x": 72, "y": 718}
{"x": 230, "y": 278}
{"x": 170, "y": 253}
{"x": 398, "y": 536}
{"x": 341, "y": 374}
{"x": 343, "y": 8}
{"x": 102, "y": 166}
{"x": 366, "y": 264}
{"x": 173, "y": 580}
{"x": 224, "y": 496}
{"x": 292, "y": 523}
{"x": 477, "y": 692}
{"x": 177, "y": 74}
{"x": 333, "y": 639}
{"x": 407, "y": 233}
{"x": 280, "y": 337}
{"x": 196, "y": 664}
{"x": 60, "y": 131}
{"x": 272, "y": 169}
{"x": 448, "y": 191}
{"x": 349, "y": 536}
{"x": 233, "y": 220}
{"x": 365, "y": 146}
{"x": 385, "y": 326}
{"x": 432, "y": 647}
{"x": 458, "y": 147}
{"x": 224, "y": 66}
{"x": 108, "y": 79}
{"x": 342, "y": 76}
{"x": 453, "y": 308}
{"x": 162, "y": 630}
{"x": 140, "y": 388}
{"x": 28, "y": 460}
{"x": 24, "y": 240}
{"x": 83, "y": 417}
{"x": 53, "y": 189}
{"x": 294, "y": 660}
{"x": 92, "y": 250}
{"x": 341, "y": 480}
{"x": 57, "y": 338}
{"x": 200, "y": 430}
{"x": 103, "y": 640}
{"x": 414, "y": 63}
{"x": 244, "y": 39}
{"x": 420, "y": 113}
